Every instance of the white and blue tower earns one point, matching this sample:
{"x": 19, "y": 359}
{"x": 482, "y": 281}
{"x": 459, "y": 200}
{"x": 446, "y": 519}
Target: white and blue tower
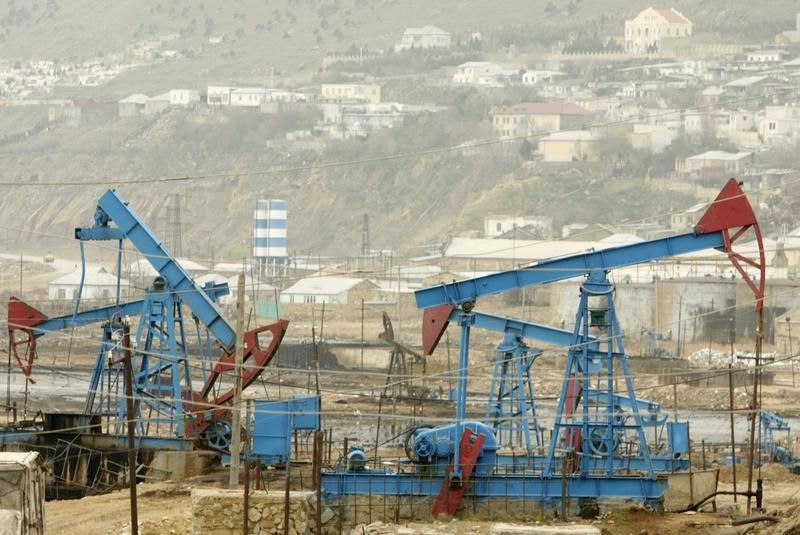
{"x": 269, "y": 236}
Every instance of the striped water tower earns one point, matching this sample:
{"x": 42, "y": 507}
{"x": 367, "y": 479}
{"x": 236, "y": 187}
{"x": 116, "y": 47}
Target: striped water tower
{"x": 269, "y": 236}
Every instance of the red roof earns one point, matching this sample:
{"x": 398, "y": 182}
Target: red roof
{"x": 543, "y": 108}
{"x": 672, "y": 15}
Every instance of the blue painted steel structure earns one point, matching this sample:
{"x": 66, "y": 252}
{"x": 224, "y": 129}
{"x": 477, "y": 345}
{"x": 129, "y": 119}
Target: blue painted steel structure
{"x": 274, "y": 422}
{"x": 511, "y": 410}
{"x": 162, "y": 373}
{"x": 165, "y": 401}
{"x": 557, "y": 269}
{"x": 112, "y": 208}
{"x": 598, "y": 442}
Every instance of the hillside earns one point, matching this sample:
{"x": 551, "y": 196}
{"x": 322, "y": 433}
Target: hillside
{"x": 411, "y": 200}
{"x": 291, "y": 36}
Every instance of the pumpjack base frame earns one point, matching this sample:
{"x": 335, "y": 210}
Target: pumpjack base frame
{"x": 483, "y": 487}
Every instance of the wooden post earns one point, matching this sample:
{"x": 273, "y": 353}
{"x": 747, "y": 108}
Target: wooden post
{"x": 318, "y": 482}
{"x": 733, "y": 436}
{"x": 130, "y": 416}
{"x": 246, "y": 507}
{"x": 236, "y": 409}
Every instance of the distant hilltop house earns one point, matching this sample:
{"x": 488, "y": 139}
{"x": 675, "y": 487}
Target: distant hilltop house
{"x": 532, "y": 117}
{"x": 477, "y": 73}
{"x": 645, "y": 32}
{"x": 139, "y": 103}
{"x": 518, "y": 227}
{"x": 780, "y": 125}
{"x": 569, "y": 146}
{"x": 766, "y": 55}
{"x": 351, "y": 93}
{"x": 331, "y": 290}
{"x": 249, "y": 96}
{"x": 425, "y": 37}
{"x": 714, "y": 164}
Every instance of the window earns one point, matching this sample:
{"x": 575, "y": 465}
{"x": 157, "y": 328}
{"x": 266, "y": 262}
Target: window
{"x": 62, "y": 293}
{"x": 499, "y": 227}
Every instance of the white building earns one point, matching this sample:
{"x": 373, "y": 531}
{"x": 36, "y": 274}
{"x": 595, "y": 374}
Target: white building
{"x": 330, "y": 290}
{"x": 645, "y": 32}
{"x": 652, "y": 137}
{"x": 219, "y": 95}
{"x": 497, "y": 225}
{"x": 247, "y": 97}
{"x": 425, "y": 37}
{"x": 97, "y": 284}
{"x": 477, "y": 73}
{"x": 780, "y": 125}
{"x": 351, "y": 93}
{"x": 766, "y": 55}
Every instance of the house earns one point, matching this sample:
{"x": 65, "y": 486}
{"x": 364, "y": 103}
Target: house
{"x": 330, "y": 290}
{"x": 364, "y": 118}
{"x": 219, "y": 95}
{"x": 247, "y": 97}
{"x": 754, "y": 86}
{"x": 688, "y": 218}
{"x": 351, "y": 93}
{"x": 425, "y": 37}
{"x": 652, "y": 137}
{"x": 569, "y": 146}
{"x": 740, "y": 128}
{"x": 183, "y": 97}
{"x": 780, "y": 125}
{"x": 532, "y": 117}
{"x": 498, "y": 225}
{"x": 714, "y": 163}
{"x": 156, "y": 104}
{"x": 132, "y": 105}
{"x": 645, "y": 32}
{"x": 766, "y": 55}
{"x": 477, "y": 73}
{"x": 711, "y": 95}
{"x": 97, "y": 284}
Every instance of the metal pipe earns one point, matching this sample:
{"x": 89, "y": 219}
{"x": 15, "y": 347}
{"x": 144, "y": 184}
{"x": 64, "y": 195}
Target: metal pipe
{"x": 753, "y": 519}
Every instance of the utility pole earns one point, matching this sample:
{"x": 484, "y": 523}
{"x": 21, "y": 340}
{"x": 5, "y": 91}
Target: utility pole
{"x": 236, "y": 446}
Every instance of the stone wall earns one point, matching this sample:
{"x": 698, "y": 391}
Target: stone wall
{"x": 219, "y": 512}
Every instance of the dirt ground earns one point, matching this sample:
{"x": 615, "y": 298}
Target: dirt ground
{"x": 165, "y": 508}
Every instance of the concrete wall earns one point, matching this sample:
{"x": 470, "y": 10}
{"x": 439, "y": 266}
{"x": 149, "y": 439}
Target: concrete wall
{"x": 706, "y": 306}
